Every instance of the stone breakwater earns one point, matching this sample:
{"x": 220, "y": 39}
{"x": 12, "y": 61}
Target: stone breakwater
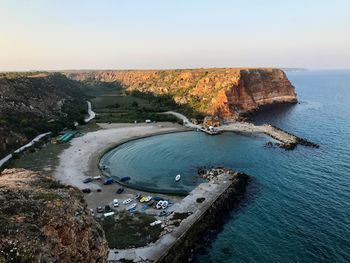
{"x": 289, "y": 140}
{"x": 189, "y": 219}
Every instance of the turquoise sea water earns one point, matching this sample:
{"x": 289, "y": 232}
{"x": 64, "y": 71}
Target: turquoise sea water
{"x": 297, "y": 207}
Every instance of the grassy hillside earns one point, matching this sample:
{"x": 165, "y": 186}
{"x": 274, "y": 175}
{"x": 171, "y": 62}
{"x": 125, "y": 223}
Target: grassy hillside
{"x": 114, "y": 103}
{"x": 34, "y": 103}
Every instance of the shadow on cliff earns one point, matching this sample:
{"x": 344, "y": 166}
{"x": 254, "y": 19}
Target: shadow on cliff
{"x": 273, "y": 114}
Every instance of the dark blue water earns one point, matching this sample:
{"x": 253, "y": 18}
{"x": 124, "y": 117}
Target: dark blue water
{"x": 297, "y": 207}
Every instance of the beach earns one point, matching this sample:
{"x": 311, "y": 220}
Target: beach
{"x": 80, "y": 160}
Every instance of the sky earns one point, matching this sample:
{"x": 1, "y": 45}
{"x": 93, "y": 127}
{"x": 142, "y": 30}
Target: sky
{"x": 145, "y": 34}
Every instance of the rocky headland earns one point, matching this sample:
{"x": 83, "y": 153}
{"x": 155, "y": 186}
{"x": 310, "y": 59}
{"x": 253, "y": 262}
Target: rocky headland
{"x": 43, "y": 220}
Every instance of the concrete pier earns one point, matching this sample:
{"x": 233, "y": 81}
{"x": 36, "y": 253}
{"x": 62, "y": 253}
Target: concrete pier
{"x": 188, "y": 219}
{"x": 288, "y": 141}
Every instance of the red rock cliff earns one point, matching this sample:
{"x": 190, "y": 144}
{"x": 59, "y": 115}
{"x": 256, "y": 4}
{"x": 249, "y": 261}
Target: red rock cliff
{"x": 226, "y": 92}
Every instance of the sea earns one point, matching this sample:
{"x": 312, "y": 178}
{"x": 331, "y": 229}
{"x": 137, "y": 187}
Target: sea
{"x": 297, "y": 205}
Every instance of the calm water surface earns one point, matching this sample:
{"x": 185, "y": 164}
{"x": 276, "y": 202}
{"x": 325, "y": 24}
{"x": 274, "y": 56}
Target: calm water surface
{"x": 297, "y": 208}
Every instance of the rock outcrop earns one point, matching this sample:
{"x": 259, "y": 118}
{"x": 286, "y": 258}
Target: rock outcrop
{"x": 44, "y": 221}
{"x": 227, "y": 92}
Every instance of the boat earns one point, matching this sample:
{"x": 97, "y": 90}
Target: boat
{"x": 131, "y": 206}
{"x": 143, "y": 208}
{"x": 165, "y": 204}
{"x": 124, "y": 179}
{"x": 177, "y": 178}
{"x": 150, "y": 203}
{"x": 127, "y": 201}
{"x": 159, "y": 205}
{"x": 155, "y": 223}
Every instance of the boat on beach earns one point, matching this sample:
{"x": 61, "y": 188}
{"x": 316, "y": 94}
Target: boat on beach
{"x": 132, "y": 206}
{"x": 127, "y": 201}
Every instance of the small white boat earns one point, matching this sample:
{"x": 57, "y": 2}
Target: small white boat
{"x": 155, "y": 223}
{"x": 159, "y": 205}
{"x": 127, "y": 201}
{"x": 131, "y": 206}
{"x": 165, "y": 204}
{"x": 177, "y": 178}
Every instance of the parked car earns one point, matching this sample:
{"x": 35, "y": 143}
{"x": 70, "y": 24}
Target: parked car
{"x": 98, "y": 177}
{"x": 107, "y": 209}
{"x": 115, "y": 203}
{"x": 120, "y": 190}
{"x": 87, "y": 180}
{"x": 86, "y": 190}
{"x": 108, "y": 181}
{"x": 99, "y": 209}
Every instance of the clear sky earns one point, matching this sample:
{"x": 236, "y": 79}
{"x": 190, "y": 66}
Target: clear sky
{"x": 110, "y": 34}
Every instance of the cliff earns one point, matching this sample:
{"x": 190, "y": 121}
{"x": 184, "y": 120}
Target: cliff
{"x": 44, "y": 221}
{"x": 29, "y": 101}
{"x": 226, "y": 92}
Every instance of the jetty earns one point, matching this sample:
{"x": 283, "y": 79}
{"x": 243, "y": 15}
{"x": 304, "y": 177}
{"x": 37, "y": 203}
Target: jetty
{"x": 199, "y": 211}
{"x": 287, "y": 140}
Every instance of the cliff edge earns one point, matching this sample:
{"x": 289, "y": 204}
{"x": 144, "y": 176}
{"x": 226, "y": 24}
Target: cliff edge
{"x": 44, "y": 221}
{"x": 227, "y": 92}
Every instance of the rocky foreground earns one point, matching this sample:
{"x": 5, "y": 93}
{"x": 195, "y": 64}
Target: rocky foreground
{"x": 227, "y": 92}
{"x": 44, "y": 221}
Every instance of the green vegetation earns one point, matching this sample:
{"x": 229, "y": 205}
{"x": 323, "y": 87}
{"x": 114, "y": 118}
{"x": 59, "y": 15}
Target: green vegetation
{"x": 26, "y": 90}
{"x": 125, "y": 230}
{"x": 46, "y": 196}
{"x": 114, "y": 103}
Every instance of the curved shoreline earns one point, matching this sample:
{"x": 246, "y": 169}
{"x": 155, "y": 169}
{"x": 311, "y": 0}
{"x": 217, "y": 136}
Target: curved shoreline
{"x": 82, "y": 157}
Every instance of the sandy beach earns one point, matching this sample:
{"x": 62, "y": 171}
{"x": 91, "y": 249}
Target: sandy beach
{"x": 81, "y": 158}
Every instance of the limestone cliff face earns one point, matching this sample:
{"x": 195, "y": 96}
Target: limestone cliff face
{"x": 44, "y": 221}
{"x": 226, "y": 92}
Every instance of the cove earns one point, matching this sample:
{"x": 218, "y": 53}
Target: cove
{"x": 153, "y": 162}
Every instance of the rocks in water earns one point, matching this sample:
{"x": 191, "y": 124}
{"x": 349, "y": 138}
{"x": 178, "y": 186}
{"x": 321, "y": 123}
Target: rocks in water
{"x": 213, "y": 173}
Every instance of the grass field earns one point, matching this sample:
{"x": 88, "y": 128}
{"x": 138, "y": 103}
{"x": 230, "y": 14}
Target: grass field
{"x": 113, "y": 103}
{"x": 125, "y": 230}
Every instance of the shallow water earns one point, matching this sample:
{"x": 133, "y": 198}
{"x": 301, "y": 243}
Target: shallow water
{"x": 297, "y": 207}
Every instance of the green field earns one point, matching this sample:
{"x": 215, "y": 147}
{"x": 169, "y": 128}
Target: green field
{"x": 125, "y": 230}
{"x": 113, "y": 103}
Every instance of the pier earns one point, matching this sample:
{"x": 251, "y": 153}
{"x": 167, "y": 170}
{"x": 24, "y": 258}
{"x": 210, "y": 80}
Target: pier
{"x": 194, "y": 215}
{"x": 288, "y": 141}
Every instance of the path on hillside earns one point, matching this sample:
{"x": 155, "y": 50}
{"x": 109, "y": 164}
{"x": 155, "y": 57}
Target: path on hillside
{"x": 91, "y": 113}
